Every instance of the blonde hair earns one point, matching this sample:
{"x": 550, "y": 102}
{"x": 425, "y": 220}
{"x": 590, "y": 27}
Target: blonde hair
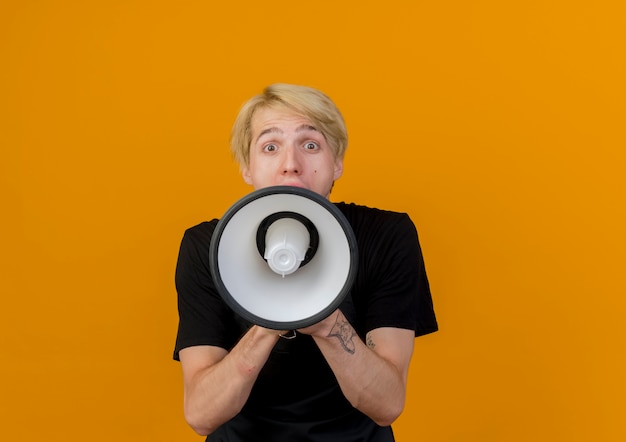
{"x": 303, "y": 100}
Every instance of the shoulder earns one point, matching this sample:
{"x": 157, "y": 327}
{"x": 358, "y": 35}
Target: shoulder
{"x": 375, "y": 219}
{"x": 200, "y": 234}
{"x": 195, "y": 243}
{"x": 358, "y": 211}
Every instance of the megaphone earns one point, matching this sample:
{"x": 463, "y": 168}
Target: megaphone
{"x": 283, "y": 257}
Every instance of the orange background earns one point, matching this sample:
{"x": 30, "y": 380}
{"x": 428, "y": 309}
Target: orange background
{"x": 498, "y": 126}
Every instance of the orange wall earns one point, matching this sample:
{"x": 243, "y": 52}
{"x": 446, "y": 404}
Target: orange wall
{"x": 499, "y": 126}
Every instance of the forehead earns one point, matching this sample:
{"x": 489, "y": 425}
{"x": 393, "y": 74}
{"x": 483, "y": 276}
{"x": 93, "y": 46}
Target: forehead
{"x": 278, "y": 116}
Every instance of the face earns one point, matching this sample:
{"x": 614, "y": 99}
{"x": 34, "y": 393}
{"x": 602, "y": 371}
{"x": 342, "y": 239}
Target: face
{"x": 288, "y": 150}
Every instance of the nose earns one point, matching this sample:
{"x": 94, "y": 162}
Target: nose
{"x": 291, "y": 162}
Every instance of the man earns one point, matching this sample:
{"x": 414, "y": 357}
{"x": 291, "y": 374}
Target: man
{"x": 342, "y": 379}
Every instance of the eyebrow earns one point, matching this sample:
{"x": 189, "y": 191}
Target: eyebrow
{"x": 271, "y": 130}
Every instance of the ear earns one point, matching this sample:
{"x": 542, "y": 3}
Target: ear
{"x": 338, "y": 168}
{"x": 247, "y": 177}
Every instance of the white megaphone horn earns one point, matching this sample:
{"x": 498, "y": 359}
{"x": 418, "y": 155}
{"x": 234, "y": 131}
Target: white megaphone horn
{"x": 283, "y": 257}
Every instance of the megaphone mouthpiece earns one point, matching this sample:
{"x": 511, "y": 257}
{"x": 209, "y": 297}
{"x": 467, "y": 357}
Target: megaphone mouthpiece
{"x": 286, "y": 243}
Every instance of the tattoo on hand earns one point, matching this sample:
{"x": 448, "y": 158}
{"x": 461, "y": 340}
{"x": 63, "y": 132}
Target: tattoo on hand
{"x": 343, "y": 331}
{"x": 370, "y": 342}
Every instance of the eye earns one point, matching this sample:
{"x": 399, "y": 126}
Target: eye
{"x": 270, "y": 148}
{"x": 311, "y": 145}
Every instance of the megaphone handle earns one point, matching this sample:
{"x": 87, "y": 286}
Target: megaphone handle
{"x": 289, "y": 335}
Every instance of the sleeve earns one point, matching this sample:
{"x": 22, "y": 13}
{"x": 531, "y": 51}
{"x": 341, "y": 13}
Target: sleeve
{"x": 400, "y": 293}
{"x": 204, "y": 318}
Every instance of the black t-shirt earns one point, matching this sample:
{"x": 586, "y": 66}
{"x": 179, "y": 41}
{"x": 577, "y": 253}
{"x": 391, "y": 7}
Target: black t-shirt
{"x": 296, "y": 396}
